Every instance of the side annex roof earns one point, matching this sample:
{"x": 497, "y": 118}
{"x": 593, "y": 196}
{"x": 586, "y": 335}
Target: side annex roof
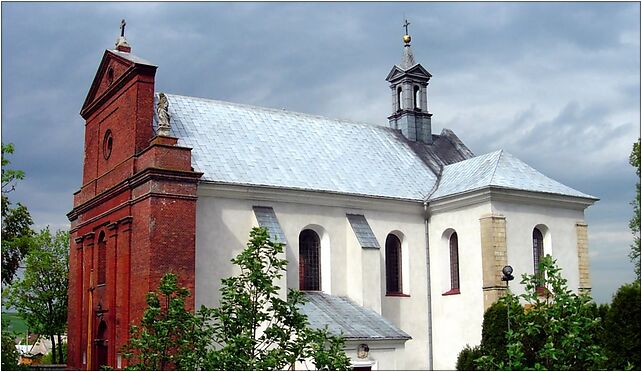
{"x": 501, "y": 170}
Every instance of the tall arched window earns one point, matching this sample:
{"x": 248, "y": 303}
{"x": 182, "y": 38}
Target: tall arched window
{"x": 102, "y": 259}
{"x": 454, "y": 262}
{"x": 309, "y": 261}
{"x": 399, "y": 98}
{"x": 417, "y": 96}
{"x": 393, "y": 265}
{"x": 538, "y": 249}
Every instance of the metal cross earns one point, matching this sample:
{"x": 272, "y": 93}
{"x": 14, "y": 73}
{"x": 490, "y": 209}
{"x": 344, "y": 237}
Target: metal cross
{"x": 405, "y": 25}
{"x": 122, "y": 27}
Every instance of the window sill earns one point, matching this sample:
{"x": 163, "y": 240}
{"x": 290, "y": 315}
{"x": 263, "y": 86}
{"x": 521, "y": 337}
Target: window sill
{"x": 454, "y": 291}
{"x": 392, "y": 294}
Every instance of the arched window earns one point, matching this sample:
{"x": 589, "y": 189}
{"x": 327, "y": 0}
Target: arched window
{"x": 309, "y": 261}
{"x": 538, "y": 249}
{"x": 417, "y": 95}
{"x": 454, "y": 261}
{"x": 393, "y": 265}
{"x": 399, "y": 98}
{"x": 102, "y": 259}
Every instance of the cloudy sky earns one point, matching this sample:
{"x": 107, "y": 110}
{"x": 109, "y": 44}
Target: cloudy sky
{"x": 556, "y": 84}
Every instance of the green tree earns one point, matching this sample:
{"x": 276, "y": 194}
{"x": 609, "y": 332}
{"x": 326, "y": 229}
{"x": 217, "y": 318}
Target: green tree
{"x": 16, "y": 221}
{"x": 250, "y": 302}
{"x": 634, "y": 223}
{"x": 40, "y": 297}
{"x": 557, "y": 331}
{"x": 622, "y": 326}
{"x": 253, "y": 328}
{"x": 169, "y": 336}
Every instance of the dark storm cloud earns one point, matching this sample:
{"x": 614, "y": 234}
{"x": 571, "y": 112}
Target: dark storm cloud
{"x": 556, "y": 84}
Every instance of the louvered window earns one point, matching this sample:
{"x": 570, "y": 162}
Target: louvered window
{"x": 309, "y": 261}
{"x": 454, "y": 261}
{"x": 393, "y": 265}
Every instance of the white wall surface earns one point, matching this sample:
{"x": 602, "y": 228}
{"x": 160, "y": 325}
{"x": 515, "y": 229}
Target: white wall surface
{"x": 456, "y": 318}
{"x": 224, "y": 222}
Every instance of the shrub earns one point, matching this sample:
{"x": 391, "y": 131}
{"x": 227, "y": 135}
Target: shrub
{"x": 622, "y": 326}
{"x": 466, "y": 358}
{"x": 494, "y": 328}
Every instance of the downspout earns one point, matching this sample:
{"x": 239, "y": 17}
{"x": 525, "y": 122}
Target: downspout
{"x": 429, "y": 295}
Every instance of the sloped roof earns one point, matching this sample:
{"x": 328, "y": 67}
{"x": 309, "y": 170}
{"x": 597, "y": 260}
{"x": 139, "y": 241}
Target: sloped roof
{"x": 498, "y": 169}
{"x": 342, "y": 316}
{"x": 131, "y": 57}
{"x": 362, "y": 231}
{"x": 248, "y": 145}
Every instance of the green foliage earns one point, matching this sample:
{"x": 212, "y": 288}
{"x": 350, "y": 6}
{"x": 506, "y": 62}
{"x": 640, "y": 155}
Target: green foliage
{"x": 49, "y": 358}
{"x": 253, "y": 327}
{"x": 16, "y": 222}
{"x": 622, "y": 321}
{"x": 466, "y": 358}
{"x": 14, "y": 323}
{"x": 557, "y": 331}
{"x": 169, "y": 337}
{"x": 634, "y": 223}
{"x": 40, "y": 297}
{"x": 10, "y": 355}
{"x": 494, "y": 328}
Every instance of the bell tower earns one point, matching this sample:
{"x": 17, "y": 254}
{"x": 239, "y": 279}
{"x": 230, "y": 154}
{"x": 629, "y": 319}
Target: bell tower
{"x": 409, "y": 85}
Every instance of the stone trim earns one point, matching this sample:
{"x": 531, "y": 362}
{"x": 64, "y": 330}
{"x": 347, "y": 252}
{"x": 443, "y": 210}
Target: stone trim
{"x": 581, "y": 229}
{"x": 494, "y": 256}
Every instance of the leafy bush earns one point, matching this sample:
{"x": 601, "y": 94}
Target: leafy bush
{"x": 622, "y": 324}
{"x": 10, "y": 354}
{"x": 494, "y": 328}
{"x": 558, "y": 331}
{"x": 466, "y": 358}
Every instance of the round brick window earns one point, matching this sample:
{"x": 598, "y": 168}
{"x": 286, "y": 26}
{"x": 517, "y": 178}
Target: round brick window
{"x": 107, "y": 144}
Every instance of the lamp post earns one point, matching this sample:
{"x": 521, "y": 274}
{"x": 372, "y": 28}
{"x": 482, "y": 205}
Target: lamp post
{"x": 507, "y": 276}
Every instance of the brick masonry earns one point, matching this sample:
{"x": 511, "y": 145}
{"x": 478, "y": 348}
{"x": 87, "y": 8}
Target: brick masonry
{"x": 581, "y": 229}
{"x": 494, "y": 257}
{"x": 130, "y": 201}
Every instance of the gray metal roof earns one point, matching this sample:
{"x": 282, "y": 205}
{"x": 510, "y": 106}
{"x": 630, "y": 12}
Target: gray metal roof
{"x": 498, "y": 169}
{"x": 362, "y": 230}
{"x": 241, "y": 144}
{"x": 342, "y": 316}
{"x": 267, "y": 218}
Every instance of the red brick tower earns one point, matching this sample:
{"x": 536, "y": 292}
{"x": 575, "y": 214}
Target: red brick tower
{"x": 134, "y": 217}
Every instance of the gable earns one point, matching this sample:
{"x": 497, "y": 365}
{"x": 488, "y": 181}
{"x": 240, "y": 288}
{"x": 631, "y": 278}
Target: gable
{"x": 416, "y": 72}
{"x": 114, "y": 70}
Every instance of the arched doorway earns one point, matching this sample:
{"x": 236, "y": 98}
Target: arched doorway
{"x": 101, "y": 346}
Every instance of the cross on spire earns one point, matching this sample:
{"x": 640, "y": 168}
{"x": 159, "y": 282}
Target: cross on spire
{"x": 405, "y": 25}
{"x": 123, "y": 24}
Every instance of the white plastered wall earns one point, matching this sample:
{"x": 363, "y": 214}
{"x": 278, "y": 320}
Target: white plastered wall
{"x": 560, "y": 238}
{"x": 456, "y": 318}
{"x": 223, "y": 225}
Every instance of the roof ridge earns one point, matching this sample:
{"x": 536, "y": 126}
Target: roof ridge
{"x": 272, "y": 109}
{"x": 499, "y": 158}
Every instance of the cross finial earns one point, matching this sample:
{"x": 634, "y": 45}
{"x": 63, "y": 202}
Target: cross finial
{"x": 405, "y": 25}
{"x": 123, "y": 24}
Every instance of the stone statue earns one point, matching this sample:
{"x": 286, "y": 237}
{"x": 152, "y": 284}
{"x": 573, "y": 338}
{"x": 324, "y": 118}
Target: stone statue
{"x": 163, "y": 115}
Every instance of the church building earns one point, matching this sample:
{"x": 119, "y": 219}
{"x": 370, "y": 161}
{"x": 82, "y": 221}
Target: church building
{"x": 397, "y": 235}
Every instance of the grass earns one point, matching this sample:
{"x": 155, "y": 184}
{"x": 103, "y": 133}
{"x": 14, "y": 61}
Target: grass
{"x": 16, "y": 324}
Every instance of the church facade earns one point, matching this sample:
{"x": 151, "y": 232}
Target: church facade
{"x": 396, "y": 235}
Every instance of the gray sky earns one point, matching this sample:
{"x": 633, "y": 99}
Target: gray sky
{"x": 555, "y": 84}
